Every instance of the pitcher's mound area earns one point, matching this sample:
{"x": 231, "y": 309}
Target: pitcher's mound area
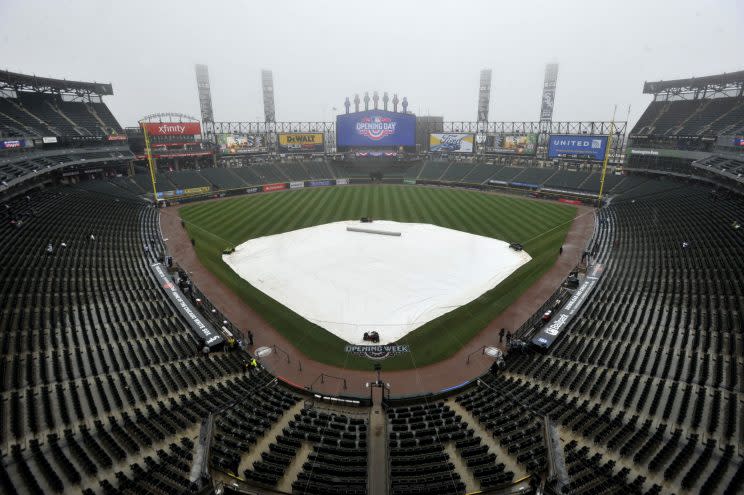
{"x": 351, "y": 282}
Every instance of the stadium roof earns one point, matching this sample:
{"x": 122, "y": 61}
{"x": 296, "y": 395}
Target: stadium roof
{"x": 25, "y": 82}
{"x": 732, "y": 78}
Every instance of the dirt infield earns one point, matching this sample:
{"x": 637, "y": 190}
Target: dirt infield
{"x": 293, "y": 366}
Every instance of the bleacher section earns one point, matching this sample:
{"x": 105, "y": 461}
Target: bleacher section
{"x": 462, "y": 173}
{"x": 480, "y": 173}
{"x": 102, "y": 382}
{"x": 507, "y": 174}
{"x": 535, "y": 175}
{"x": 15, "y": 122}
{"x": 415, "y": 170}
{"x": 456, "y": 171}
{"x": 612, "y": 181}
{"x": 672, "y": 115}
{"x": 418, "y": 460}
{"x": 652, "y": 370}
{"x": 58, "y": 108}
{"x": 565, "y": 179}
{"x": 731, "y": 168}
{"x": 184, "y": 179}
{"x": 294, "y": 170}
{"x": 19, "y": 166}
{"x": 433, "y": 170}
{"x": 691, "y": 118}
{"x": 223, "y": 178}
{"x": 104, "y": 387}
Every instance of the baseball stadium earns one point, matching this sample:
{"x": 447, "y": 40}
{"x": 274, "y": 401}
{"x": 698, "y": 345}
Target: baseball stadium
{"x": 377, "y": 303}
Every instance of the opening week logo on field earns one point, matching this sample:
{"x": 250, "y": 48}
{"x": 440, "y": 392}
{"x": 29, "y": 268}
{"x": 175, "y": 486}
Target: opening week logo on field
{"x": 377, "y": 352}
{"x": 376, "y": 128}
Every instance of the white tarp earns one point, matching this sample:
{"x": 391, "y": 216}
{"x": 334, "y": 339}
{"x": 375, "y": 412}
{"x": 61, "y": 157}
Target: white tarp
{"x": 353, "y": 282}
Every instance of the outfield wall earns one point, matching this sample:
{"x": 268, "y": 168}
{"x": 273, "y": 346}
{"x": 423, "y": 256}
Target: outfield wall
{"x": 524, "y": 189}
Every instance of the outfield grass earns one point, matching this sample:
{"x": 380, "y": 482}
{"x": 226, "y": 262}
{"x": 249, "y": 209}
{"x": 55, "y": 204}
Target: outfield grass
{"x": 540, "y": 226}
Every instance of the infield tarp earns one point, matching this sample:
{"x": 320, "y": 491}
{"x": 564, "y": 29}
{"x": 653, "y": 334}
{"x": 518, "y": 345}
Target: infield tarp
{"x": 350, "y": 283}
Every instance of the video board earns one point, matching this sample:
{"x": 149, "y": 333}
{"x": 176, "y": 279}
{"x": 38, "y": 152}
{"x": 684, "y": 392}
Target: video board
{"x": 451, "y": 142}
{"x": 577, "y": 146}
{"x": 512, "y": 144}
{"x": 234, "y": 144}
{"x": 290, "y": 142}
{"x": 375, "y": 129}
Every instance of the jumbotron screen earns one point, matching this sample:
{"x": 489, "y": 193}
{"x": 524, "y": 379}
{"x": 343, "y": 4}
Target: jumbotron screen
{"x": 375, "y": 129}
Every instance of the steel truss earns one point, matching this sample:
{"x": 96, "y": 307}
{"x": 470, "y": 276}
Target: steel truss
{"x": 12, "y": 81}
{"x": 722, "y": 85}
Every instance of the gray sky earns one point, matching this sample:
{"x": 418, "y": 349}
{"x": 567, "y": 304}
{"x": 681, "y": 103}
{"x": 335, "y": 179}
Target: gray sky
{"x": 322, "y": 51}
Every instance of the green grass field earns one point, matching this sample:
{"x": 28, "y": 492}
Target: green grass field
{"x": 540, "y": 226}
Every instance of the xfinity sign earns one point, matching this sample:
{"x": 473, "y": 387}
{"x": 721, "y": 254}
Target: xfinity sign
{"x": 171, "y": 129}
{"x": 577, "y": 146}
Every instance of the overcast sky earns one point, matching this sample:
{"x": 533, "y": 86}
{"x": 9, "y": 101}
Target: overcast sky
{"x": 323, "y": 51}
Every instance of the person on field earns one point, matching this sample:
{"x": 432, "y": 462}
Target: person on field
{"x": 250, "y": 338}
{"x": 501, "y": 334}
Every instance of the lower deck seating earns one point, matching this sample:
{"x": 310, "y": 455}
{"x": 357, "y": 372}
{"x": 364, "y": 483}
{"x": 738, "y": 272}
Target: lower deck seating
{"x": 96, "y": 367}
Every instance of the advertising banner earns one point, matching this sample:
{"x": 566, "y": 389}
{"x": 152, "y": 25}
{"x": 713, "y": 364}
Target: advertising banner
{"x": 191, "y": 191}
{"x": 739, "y": 141}
{"x": 512, "y": 144}
{"x": 409, "y": 181}
{"x": 528, "y": 185}
{"x": 274, "y": 187}
{"x": 12, "y": 143}
{"x": 375, "y": 129}
{"x": 172, "y": 128}
{"x": 49, "y": 139}
{"x": 201, "y": 328}
{"x": 318, "y": 183}
{"x": 234, "y": 144}
{"x": 450, "y": 142}
{"x": 569, "y": 201}
{"x": 197, "y": 190}
{"x": 116, "y": 137}
{"x": 577, "y": 146}
{"x": 548, "y": 333}
{"x": 252, "y": 190}
{"x": 342, "y": 182}
{"x": 301, "y": 141}
{"x": 297, "y": 184}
